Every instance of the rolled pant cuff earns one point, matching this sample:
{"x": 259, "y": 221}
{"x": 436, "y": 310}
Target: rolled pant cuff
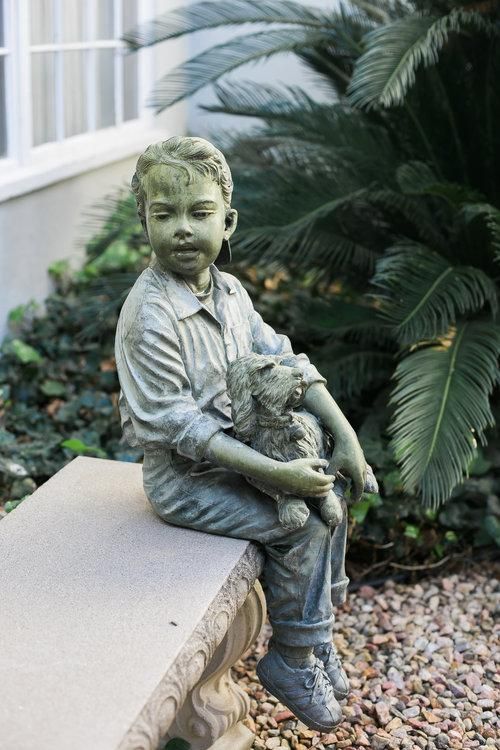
{"x": 339, "y": 592}
{"x": 300, "y": 634}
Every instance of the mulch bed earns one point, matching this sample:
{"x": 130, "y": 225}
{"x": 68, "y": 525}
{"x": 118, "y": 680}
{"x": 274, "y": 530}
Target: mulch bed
{"x": 424, "y": 666}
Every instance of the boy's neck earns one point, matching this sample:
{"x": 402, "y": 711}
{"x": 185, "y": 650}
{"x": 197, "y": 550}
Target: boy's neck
{"x": 200, "y": 282}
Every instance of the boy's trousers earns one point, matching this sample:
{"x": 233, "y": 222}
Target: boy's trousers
{"x": 303, "y": 569}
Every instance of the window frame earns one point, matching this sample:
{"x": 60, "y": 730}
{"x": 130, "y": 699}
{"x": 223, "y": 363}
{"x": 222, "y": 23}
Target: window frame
{"x": 26, "y": 167}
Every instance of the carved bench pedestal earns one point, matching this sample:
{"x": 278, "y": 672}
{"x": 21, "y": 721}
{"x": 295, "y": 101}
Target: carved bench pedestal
{"x": 212, "y": 714}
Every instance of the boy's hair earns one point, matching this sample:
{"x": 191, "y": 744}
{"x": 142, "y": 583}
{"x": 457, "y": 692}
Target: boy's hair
{"x": 189, "y": 154}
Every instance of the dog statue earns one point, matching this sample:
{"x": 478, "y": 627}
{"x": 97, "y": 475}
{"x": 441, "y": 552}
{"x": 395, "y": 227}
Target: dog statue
{"x": 264, "y": 394}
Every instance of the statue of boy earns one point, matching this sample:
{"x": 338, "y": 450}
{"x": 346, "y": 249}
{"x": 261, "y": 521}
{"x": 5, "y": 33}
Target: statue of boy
{"x": 180, "y": 326}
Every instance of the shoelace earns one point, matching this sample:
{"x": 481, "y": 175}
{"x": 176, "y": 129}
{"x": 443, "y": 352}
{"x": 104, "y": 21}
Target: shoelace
{"x": 318, "y": 683}
{"x": 329, "y": 652}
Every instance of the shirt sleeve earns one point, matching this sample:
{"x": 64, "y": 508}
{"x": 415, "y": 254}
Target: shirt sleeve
{"x": 156, "y": 399}
{"x": 267, "y": 341}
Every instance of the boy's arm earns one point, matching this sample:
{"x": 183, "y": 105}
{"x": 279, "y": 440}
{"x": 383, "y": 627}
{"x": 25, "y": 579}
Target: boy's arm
{"x": 302, "y": 477}
{"x": 347, "y": 455}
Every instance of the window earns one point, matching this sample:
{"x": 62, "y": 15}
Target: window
{"x": 78, "y": 67}
{"x": 64, "y": 73}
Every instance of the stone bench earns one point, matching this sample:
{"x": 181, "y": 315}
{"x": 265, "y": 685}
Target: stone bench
{"x": 117, "y": 630}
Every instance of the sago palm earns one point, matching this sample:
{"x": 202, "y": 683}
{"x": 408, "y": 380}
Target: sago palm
{"x": 390, "y": 189}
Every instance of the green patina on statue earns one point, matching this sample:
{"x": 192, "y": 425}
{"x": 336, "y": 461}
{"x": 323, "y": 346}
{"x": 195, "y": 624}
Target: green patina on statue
{"x": 183, "y": 326}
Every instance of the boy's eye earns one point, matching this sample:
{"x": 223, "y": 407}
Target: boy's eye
{"x": 161, "y": 216}
{"x": 201, "y": 214}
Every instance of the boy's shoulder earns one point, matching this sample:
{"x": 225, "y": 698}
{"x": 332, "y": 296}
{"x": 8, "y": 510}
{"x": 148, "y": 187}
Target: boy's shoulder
{"x": 232, "y": 283}
{"x": 147, "y": 299}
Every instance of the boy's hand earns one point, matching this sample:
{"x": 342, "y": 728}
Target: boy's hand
{"x": 304, "y": 477}
{"x": 348, "y": 458}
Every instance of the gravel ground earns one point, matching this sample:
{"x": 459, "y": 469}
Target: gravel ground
{"x": 424, "y": 666}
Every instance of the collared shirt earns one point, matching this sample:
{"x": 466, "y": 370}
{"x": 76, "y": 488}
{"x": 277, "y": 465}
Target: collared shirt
{"x": 172, "y": 355}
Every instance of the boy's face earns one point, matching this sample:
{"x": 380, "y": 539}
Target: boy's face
{"x": 186, "y": 221}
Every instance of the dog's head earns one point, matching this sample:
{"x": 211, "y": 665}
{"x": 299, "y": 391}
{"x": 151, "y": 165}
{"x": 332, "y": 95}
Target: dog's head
{"x": 259, "y": 383}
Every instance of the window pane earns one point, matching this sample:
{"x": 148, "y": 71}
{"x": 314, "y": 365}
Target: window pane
{"x": 75, "y": 94}
{"x": 3, "y": 123}
{"x": 129, "y": 11}
{"x": 105, "y": 14}
{"x": 105, "y": 105}
{"x": 43, "y": 96}
{"x": 73, "y": 21}
{"x": 130, "y": 108}
{"x": 42, "y": 21}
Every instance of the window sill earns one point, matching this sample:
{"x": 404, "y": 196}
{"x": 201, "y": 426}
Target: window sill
{"x": 59, "y": 161}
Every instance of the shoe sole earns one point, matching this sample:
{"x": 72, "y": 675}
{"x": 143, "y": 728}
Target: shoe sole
{"x": 299, "y": 713}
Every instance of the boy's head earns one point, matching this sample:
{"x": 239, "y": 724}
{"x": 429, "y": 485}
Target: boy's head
{"x": 194, "y": 159}
{"x": 192, "y": 155}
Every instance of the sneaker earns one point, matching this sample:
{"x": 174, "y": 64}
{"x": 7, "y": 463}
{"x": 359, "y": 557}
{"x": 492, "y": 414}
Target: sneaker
{"x": 327, "y": 654}
{"x": 305, "y": 690}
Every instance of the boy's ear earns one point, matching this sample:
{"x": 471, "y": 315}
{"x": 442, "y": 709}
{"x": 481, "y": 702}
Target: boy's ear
{"x": 230, "y": 222}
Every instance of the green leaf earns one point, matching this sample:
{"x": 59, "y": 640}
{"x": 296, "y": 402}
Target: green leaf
{"x": 53, "y": 388}
{"x": 24, "y": 352}
{"x": 411, "y": 531}
{"x": 491, "y": 524}
{"x": 479, "y": 465}
{"x": 11, "y": 505}
{"x": 451, "y": 537}
{"x": 422, "y": 294}
{"x": 386, "y": 70}
{"x": 360, "y": 509}
{"x": 438, "y": 550}
{"x": 59, "y": 268}
{"x": 117, "y": 256}
{"x": 80, "y": 448}
{"x": 441, "y": 405}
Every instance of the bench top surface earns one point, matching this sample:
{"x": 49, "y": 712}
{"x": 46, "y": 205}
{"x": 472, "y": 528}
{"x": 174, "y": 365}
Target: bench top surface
{"x": 98, "y": 597}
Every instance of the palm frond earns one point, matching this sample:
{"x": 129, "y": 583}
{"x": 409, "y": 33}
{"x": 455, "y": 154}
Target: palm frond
{"x": 418, "y": 178}
{"x": 210, "y": 15}
{"x": 442, "y": 405}
{"x": 386, "y": 70}
{"x": 210, "y": 65}
{"x": 354, "y": 322}
{"x": 423, "y": 295}
{"x": 299, "y": 240}
{"x": 490, "y": 215}
{"x": 414, "y": 211}
{"x": 263, "y": 101}
{"x": 350, "y": 371}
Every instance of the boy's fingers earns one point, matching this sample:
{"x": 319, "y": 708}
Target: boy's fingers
{"x": 358, "y": 487}
{"x": 323, "y": 479}
{"x": 318, "y": 463}
{"x": 320, "y": 493}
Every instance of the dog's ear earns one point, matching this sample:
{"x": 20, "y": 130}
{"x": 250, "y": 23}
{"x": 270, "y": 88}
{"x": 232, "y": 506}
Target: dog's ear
{"x": 240, "y": 393}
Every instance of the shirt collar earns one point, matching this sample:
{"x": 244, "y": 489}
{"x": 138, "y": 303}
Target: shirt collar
{"x": 180, "y": 296}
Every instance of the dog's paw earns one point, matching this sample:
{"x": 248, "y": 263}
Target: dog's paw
{"x": 293, "y": 514}
{"x": 331, "y": 510}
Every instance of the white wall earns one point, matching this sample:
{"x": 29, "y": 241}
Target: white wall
{"x": 46, "y": 225}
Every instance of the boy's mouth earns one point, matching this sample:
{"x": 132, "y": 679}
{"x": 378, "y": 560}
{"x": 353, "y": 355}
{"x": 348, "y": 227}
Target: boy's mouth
{"x": 186, "y": 251}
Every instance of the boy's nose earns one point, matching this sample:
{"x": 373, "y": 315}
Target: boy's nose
{"x": 183, "y": 230}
